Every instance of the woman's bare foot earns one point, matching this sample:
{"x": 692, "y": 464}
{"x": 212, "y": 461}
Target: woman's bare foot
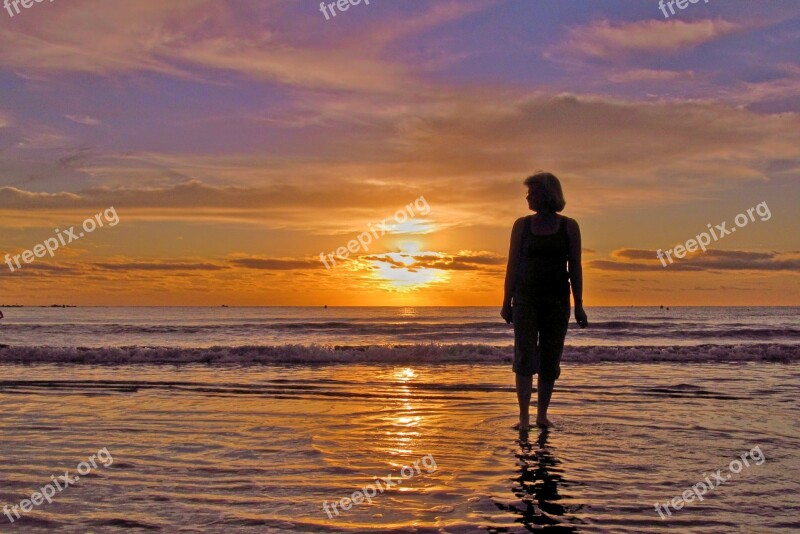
{"x": 524, "y": 424}
{"x": 544, "y": 422}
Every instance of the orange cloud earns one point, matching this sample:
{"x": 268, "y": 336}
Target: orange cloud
{"x": 711, "y": 260}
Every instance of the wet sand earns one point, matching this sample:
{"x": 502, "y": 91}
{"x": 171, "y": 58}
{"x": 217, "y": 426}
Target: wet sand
{"x": 255, "y": 449}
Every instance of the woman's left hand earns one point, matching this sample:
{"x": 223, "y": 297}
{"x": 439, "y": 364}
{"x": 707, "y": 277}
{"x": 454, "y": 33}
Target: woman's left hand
{"x": 580, "y": 317}
{"x": 506, "y": 313}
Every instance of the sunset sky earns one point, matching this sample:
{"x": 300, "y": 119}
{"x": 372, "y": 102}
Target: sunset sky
{"x": 238, "y": 140}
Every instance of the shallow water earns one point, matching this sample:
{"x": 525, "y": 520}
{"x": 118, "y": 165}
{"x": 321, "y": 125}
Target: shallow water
{"x": 200, "y": 449}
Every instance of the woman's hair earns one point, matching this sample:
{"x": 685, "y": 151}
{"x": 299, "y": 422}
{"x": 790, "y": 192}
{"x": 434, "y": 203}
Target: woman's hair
{"x": 553, "y": 196}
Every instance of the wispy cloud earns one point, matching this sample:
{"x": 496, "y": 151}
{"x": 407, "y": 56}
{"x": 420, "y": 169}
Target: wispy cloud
{"x": 276, "y": 264}
{"x": 83, "y": 119}
{"x": 606, "y": 40}
{"x": 157, "y": 266}
{"x": 188, "y": 37}
{"x": 651, "y": 75}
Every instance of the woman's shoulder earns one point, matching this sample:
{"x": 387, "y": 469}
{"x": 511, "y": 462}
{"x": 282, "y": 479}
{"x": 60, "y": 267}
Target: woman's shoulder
{"x": 571, "y": 228}
{"x": 518, "y": 230}
{"x": 569, "y": 222}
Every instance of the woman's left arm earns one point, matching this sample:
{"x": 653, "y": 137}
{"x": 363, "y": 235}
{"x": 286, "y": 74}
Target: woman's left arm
{"x": 576, "y": 271}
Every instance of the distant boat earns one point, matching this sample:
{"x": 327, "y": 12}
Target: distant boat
{"x": 224, "y": 305}
{"x": 326, "y": 306}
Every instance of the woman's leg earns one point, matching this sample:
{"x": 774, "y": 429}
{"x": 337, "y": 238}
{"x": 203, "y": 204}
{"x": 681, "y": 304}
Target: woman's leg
{"x": 544, "y": 391}
{"x": 524, "y": 389}
{"x": 554, "y": 321}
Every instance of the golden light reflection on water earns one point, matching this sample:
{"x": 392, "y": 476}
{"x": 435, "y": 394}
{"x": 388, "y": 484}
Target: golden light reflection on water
{"x": 408, "y": 312}
{"x": 405, "y": 374}
{"x": 404, "y": 419}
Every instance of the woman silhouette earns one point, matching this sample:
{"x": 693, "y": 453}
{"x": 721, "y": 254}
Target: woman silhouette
{"x": 545, "y": 256}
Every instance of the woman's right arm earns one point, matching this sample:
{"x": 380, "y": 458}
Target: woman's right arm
{"x": 511, "y": 267}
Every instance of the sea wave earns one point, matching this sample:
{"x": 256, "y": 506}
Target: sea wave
{"x": 386, "y": 354}
{"x": 433, "y": 331}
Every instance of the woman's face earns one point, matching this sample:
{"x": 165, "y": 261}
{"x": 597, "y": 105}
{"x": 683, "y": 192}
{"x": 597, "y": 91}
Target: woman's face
{"x": 536, "y": 198}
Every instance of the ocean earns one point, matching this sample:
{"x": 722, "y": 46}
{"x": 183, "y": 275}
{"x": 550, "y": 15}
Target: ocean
{"x": 259, "y": 419}
{"x": 427, "y": 334}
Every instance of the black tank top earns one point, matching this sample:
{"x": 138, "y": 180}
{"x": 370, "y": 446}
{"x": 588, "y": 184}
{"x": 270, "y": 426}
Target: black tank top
{"x": 542, "y": 272}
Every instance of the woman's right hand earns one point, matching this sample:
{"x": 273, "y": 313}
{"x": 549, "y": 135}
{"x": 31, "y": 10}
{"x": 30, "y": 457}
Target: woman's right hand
{"x": 580, "y": 316}
{"x": 505, "y": 313}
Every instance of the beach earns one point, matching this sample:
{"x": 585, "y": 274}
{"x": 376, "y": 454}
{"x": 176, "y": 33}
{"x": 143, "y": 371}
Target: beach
{"x": 261, "y": 449}
{"x": 227, "y": 445}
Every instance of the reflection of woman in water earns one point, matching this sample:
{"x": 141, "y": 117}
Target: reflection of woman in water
{"x": 545, "y": 256}
{"x": 537, "y": 486}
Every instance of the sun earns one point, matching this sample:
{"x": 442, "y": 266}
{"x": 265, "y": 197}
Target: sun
{"x": 406, "y": 271}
